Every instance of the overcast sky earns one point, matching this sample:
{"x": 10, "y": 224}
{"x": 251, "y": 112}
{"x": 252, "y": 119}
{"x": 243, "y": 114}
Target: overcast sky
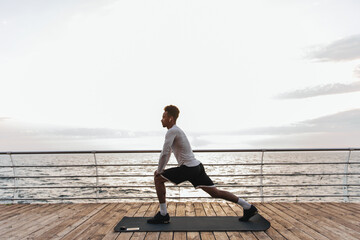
{"x": 96, "y": 75}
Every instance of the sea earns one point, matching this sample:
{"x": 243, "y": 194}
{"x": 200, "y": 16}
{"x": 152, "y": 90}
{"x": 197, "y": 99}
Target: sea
{"x": 133, "y": 180}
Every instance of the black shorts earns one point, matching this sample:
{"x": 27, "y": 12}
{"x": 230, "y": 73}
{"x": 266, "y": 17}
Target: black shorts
{"x": 196, "y": 175}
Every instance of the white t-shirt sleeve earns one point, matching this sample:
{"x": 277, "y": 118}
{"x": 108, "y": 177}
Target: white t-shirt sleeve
{"x": 166, "y": 151}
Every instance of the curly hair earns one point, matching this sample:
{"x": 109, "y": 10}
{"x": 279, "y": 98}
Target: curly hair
{"x": 172, "y": 111}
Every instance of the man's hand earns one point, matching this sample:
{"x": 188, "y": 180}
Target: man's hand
{"x": 156, "y": 173}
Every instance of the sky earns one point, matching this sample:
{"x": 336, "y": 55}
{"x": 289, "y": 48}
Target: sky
{"x": 96, "y": 75}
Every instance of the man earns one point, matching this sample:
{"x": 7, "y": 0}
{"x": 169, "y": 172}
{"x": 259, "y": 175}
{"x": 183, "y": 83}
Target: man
{"x": 189, "y": 169}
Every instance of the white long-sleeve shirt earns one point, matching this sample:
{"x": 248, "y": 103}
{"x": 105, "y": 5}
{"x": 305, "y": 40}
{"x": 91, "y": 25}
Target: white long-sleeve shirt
{"x": 176, "y": 141}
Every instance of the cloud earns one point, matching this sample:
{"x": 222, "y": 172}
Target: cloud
{"x": 20, "y": 136}
{"x": 345, "y": 49}
{"x": 89, "y": 133}
{"x": 357, "y": 71}
{"x": 3, "y": 119}
{"x": 307, "y": 140}
{"x": 337, "y": 130}
{"x": 347, "y": 121}
{"x": 328, "y": 89}
{"x": 341, "y": 129}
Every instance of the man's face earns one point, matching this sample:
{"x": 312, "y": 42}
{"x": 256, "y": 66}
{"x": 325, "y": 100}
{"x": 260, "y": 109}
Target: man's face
{"x": 165, "y": 119}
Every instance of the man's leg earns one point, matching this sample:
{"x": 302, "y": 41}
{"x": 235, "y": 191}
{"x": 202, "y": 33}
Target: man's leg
{"x": 160, "y": 188}
{"x": 162, "y": 216}
{"x": 249, "y": 210}
{"x": 217, "y": 193}
{"x": 161, "y": 193}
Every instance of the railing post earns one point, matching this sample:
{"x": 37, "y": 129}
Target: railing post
{"x": 15, "y": 193}
{"x": 97, "y": 177}
{"x": 262, "y": 176}
{"x": 345, "y": 181}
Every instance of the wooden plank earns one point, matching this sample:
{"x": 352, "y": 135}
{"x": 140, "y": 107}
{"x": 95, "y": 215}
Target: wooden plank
{"x": 302, "y": 221}
{"x": 171, "y": 208}
{"x": 235, "y": 236}
{"x": 53, "y": 222}
{"x": 193, "y": 236}
{"x": 284, "y": 221}
{"x": 199, "y": 211}
{"x": 153, "y": 235}
{"x": 142, "y": 210}
{"x": 28, "y": 221}
{"x": 97, "y": 222}
{"x": 262, "y": 235}
{"x": 180, "y": 211}
{"x": 151, "y": 211}
{"x": 313, "y": 220}
{"x": 130, "y": 213}
{"x": 44, "y": 221}
{"x": 166, "y": 235}
{"x": 108, "y": 223}
{"x": 218, "y": 209}
{"x": 351, "y": 208}
{"x": 293, "y": 219}
{"x": 350, "y": 218}
{"x": 320, "y": 221}
{"x": 74, "y": 220}
{"x": 12, "y": 228}
{"x": 209, "y": 211}
{"x": 228, "y": 210}
{"x": 341, "y": 223}
{"x": 90, "y": 224}
{"x": 9, "y": 211}
{"x": 235, "y": 208}
{"x": 225, "y": 211}
{"x": 28, "y": 213}
{"x": 289, "y": 220}
{"x": 190, "y": 211}
{"x": 276, "y": 224}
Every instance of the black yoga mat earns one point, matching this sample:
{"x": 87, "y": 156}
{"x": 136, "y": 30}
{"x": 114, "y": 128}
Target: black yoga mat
{"x": 193, "y": 224}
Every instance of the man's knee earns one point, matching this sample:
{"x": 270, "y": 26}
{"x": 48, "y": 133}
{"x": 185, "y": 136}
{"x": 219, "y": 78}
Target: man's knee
{"x": 159, "y": 179}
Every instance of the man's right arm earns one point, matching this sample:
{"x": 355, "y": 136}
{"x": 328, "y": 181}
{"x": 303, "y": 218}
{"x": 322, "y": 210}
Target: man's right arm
{"x": 166, "y": 151}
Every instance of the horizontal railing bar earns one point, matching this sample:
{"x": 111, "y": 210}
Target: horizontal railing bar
{"x": 146, "y": 165}
{"x": 188, "y": 186}
{"x": 183, "y": 197}
{"x": 297, "y": 173}
{"x": 210, "y": 175}
{"x": 199, "y": 151}
{"x": 87, "y": 165}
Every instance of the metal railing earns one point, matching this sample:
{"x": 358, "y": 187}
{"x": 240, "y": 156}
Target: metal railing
{"x": 261, "y": 175}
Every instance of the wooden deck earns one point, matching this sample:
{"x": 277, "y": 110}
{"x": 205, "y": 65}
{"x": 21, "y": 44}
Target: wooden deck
{"x": 97, "y": 221}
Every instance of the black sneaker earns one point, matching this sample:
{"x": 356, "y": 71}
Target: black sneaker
{"x": 158, "y": 218}
{"x": 249, "y": 213}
